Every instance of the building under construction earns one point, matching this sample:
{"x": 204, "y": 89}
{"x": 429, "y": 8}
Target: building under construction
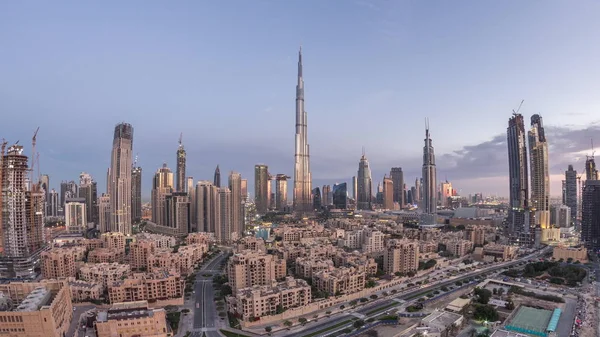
{"x": 22, "y": 217}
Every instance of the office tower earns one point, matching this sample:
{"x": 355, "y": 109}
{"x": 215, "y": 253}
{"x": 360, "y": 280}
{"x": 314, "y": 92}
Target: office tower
{"x": 317, "y": 201}
{"x": 340, "y": 196}
{"x": 409, "y": 196}
{"x": 325, "y": 201}
{"x": 517, "y": 166}
{"x": 88, "y": 190}
{"x": 560, "y": 216}
{"x": 379, "y": 195}
{"x": 429, "y": 176}
{"x": 354, "y": 188}
{"x": 217, "y": 180}
{"x": 162, "y": 185}
{"x": 54, "y": 203}
{"x": 590, "y": 215}
{"x": 180, "y": 183}
{"x": 120, "y": 179}
{"x": 45, "y": 185}
{"x": 21, "y": 218}
{"x": 223, "y": 232}
{"x": 281, "y": 192}
{"x": 418, "y": 192}
{"x": 190, "y": 189}
{"x": 236, "y": 217}
{"x": 261, "y": 188}
{"x": 302, "y": 176}
{"x": 447, "y": 192}
{"x": 364, "y": 186}
{"x": 591, "y": 173}
{"x": 75, "y": 215}
{"x": 207, "y": 206}
{"x": 570, "y": 196}
{"x": 68, "y": 189}
{"x": 104, "y": 213}
{"x": 404, "y": 193}
{"x": 397, "y": 177}
{"x": 136, "y": 194}
{"x": 270, "y": 193}
{"x": 244, "y": 190}
{"x": 540, "y": 177}
{"x": 388, "y": 193}
{"x": 177, "y": 212}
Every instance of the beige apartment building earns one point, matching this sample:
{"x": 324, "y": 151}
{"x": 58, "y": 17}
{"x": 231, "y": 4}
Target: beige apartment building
{"x": 341, "y": 280}
{"x": 106, "y": 255}
{"x": 493, "y": 252}
{"x": 263, "y": 300}
{"x": 58, "y": 263}
{"x": 200, "y": 237}
{"x": 401, "y": 256}
{"x": 114, "y": 240}
{"x": 132, "y": 319}
{"x": 160, "y": 241}
{"x": 428, "y": 247}
{"x": 90, "y": 244}
{"x": 139, "y": 253}
{"x": 251, "y": 268}
{"x": 306, "y": 267}
{"x": 251, "y": 243}
{"x": 574, "y": 253}
{"x": 151, "y": 287}
{"x": 82, "y": 291}
{"x": 459, "y": 248}
{"x": 104, "y": 273}
{"x": 37, "y": 310}
{"x": 475, "y": 234}
{"x": 357, "y": 260}
{"x": 372, "y": 241}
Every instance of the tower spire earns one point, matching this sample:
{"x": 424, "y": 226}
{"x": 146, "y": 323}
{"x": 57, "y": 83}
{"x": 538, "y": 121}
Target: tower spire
{"x": 300, "y": 63}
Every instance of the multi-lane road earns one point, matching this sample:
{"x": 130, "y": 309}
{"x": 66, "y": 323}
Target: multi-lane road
{"x": 205, "y": 314}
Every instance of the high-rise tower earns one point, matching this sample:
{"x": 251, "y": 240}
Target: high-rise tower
{"x": 181, "y": 157}
{"x": 591, "y": 173}
{"x": 398, "y": 181}
{"x": 120, "y": 179}
{"x": 162, "y": 187}
{"x": 518, "y": 173}
{"x": 237, "y": 216}
{"x": 261, "y": 188}
{"x": 136, "y": 193}
{"x": 590, "y": 215}
{"x": 365, "y": 183}
{"x": 570, "y": 196}
{"x": 281, "y": 192}
{"x": 540, "y": 176}
{"x": 302, "y": 176}
{"x": 217, "y": 180}
{"x": 207, "y": 207}
{"x": 429, "y": 176}
{"x": 88, "y": 191}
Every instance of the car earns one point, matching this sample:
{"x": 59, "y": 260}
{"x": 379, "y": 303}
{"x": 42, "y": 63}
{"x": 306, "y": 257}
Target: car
{"x": 74, "y": 309}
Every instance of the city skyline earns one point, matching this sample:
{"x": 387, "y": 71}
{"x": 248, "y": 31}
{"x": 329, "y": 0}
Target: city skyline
{"x": 469, "y": 159}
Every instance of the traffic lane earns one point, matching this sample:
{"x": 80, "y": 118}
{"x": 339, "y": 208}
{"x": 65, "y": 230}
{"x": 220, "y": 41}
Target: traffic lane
{"x": 375, "y": 306}
{"x": 213, "y": 334}
{"x": 75, "y": 326}
{"x": 320, "y": 327}
{"x": 198, "y": 313}
{"x": 565, "y": 322}
{"x": 211, "y": 314}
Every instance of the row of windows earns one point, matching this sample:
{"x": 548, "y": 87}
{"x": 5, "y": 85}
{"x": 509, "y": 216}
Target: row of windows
{"x": 11, "y": 319}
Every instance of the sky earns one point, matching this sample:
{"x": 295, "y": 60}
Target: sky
{"x": 223, "y": 73}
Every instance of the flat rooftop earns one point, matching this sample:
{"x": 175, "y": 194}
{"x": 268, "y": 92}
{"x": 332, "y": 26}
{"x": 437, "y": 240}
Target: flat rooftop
{"x": 530, "y": 321}
{"x": 506, "y": 333}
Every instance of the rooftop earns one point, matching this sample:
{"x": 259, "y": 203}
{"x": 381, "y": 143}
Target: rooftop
{"x": 36, "y": 299}
{"x": 441, "y": 319}
{"x": 530, "y": 321}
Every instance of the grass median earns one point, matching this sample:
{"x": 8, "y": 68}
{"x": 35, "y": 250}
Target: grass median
{"x": 320, "y": 332}
{"x": 374, "y": 311}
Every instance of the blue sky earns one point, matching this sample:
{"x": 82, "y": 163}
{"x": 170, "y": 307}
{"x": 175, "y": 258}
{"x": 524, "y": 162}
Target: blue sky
{"x": 223, "y": 73}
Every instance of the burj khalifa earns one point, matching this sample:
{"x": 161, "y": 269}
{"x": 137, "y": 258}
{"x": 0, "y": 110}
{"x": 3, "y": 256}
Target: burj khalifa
{"x": 302, "y": 176}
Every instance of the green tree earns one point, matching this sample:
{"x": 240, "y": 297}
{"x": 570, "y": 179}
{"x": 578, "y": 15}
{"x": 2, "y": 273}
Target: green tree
{"x": 485, "y": 313}
{"x": 359, "y": 323}
{"x": 287, "y": 323}
{"x": 268, "y": 329}
{"x": 500, "y": 291}
{"x": 482, "y": 295}
{"x": 302, "y": 320}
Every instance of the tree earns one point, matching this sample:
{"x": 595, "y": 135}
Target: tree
{"x": 495, "y": 291}
{"x": 268, "y": 329}
{"x": 342, "y": 307}
{"x": 483, "y": 295}
{"x": 359, "y": 323}
{"x": 500, "y": 291}
{"x": 302, "y": 320}
{"x": 353, "y": 303}
{"x": 510, "y": 305}
{"x": 374, "y": 296}
{"x": 372, "y": 333}
{"x": 370, "y": 284}
{"x": 485, "y": 313}
{"x": 287, "y": 323}
{"x": 328, "y": 312}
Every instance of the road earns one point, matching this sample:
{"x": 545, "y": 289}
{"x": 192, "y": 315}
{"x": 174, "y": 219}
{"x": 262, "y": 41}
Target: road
{"x": 404, "y": 295}
{"x": 205, "y": 313}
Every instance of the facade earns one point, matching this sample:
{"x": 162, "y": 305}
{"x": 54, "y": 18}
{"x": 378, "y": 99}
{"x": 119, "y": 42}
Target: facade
{"x": 89, "y": 192}
{"x": 21, "y": 218}
{"x": 518, "y": 174}
{"x": 82, "y": 291}
{"x": 570, "y": 194}
{"x": 340, "y": 196}
{"x": 397, "y": 177}
{"x": 365, "y": 185}
{"x": 560, "y": 216}
{"x": 53, "y": 203}
{"x": 177, "y": 213}
{"x": 58, "y": 263}
{"x": 139, "y": 253}
{"x": 136, "y": 193}
{"x": 244, "y": 184}
{"x": 236, "y": 209}
{"x": 151, "y": 287}
{"x": 261, "y": 188}
{"x": 307, "y": 266}
{"x": 446, "y": 193}
{"x": 459, "y": 248}
{"x": 401, "y": 256}
{"x": 591, "y": 173}
{"x": 573, "y": 253}
{"x": 251, "y": 268}
{"x": 590, "y": 215}
{"x": 251, "y": 243}
{"x": 120, "y": 179}
{"x": 342, "y": 280}
{"x": 162, "y": 186}
{"x": 106, "y": 255}
{"x": 208, "y": 208}
{"x": 429, "y": 177}
{"x": 45, "y": 186}
{"x": 104, "y": 273}
{"x": 75, "y": 215}
{"x": 327, "y": 199}
{"x": 217, "y": 177}
{"x": 281, "y": 192}
{"x": 131, "y": 320}
{"x": 540, "y": 176}
{"x": 115, "y": 240}
{"x": 190, "y": 189}
{"x": 302, "y": 175}
{"x": 388, "y": 193}
{"x": 181, "y": 158}
{"x": 265, "y": 300}
{"x": 43, "y": 310}
{"x": 475, "y": 234}
{"x": 68, "y": 189}
{"x": 317, "y": 201}
{"x": 224, "y": 231}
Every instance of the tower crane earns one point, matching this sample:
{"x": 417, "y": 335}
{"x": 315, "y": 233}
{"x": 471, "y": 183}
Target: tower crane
{"x": 180, "y": 138}
{"x": 34, "y": 155}
{"x": 519, "y": 108}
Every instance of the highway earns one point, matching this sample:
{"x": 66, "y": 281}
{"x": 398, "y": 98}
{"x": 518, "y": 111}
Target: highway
{"x": 205, "y": 314}
{"x": 409, "y": 293}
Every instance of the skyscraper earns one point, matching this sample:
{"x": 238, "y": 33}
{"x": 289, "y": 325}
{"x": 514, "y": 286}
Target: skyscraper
{"x": 217, "y": 180}
{"x": 181, "y": 157}
{"x": 317, "y": 204}
{"x": 354, "y": 188}
{"x": 590, "y": 215}
{"x": 570, "y": 198}
{"x": 302, "y": 176}
{"x": 89, "y": 192}
{"x": 237, "y": 216}
{"x": 397, "y": 177}
{"x": 120, "y": 179}
{"x": 53, "y": 203}
{"x": 244, "y": 190}
{"x": 45, "y": 185}
{"x": 540, "y": 176}
{"x": 417, "y": 195}
{"x": 223, "y": 232}
{"x": 429, "y": 176}
{"x": 388, "y": 193}
{"x": 327, "y": 198}
{"x": 447, "y": 191}
{"x": 207, "y": 207}
{"x": 518, "y": 173}
{"x": 104, "y": 213}
{"x": 136, "y": 194}
{"x": 261, "y": 188}
{"x": 177, "y": 213}
{"x": 340, "y": 196}
{"x": 22, "y": 219}
{"x": 190, "y": 189}
{"x": 162, "y": 186}
{"x": 68, "y": 190}
{"x": 591, "y": 173}
{"x": 365, "y": 190}
{"x": 281, "y": 192}
{"x": 75, "y": 215}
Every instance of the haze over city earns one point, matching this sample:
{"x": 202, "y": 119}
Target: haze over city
{"x": 224, "y": 75}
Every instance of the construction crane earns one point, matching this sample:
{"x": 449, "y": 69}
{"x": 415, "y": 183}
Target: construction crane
{"x": 34, "y": 156}
{"x": 180, "y": 138}
{"x": 3, "y": 148}
{"x": 519, "y": 108}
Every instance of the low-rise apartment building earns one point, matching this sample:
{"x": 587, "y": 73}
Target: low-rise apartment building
{"x": 106, "y": 255}
{"x": 401, "y": 256}
{"x": 82, "y": 291}
{"x": 160, "y": 241}
{"x": 575, "y": 253}
{"x": 306, "y": 267}
{"x": 428, "y": 247}
{"x": 251, "y": 243}
{"x": 341, "y": 280}
{"x": 139, "y": 254}
{"x": 476, "y": 234}
{"x": 104, "y": 273}
{"x": 58, "y": 263}
{"x": 251, "y": 268}
{"x": 132, "y": 319}
{"x": 157, "y": 286}
{"x": 459, "y": 248}
{"x": 114, "y": 240}
{"x": 495, "y": 252}
{"x": 265, "y": 300}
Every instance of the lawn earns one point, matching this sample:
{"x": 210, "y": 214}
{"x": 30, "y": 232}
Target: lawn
{"x": 382, "y": 308}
